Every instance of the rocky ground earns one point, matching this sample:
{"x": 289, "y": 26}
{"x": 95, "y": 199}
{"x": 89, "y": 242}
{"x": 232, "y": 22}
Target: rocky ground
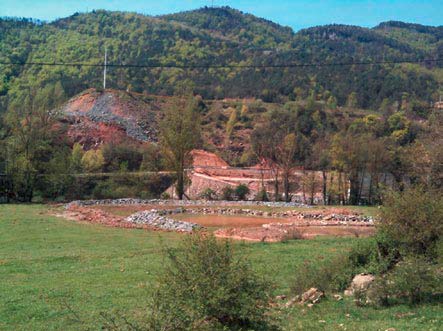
{"x": 159, "y": 220}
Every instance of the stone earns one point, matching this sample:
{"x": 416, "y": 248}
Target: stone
{"x": 360, "y": 283}
{"x": 292, "y": 301}
{"x": 155, "y": 219}
{"x": 313, "y": 295}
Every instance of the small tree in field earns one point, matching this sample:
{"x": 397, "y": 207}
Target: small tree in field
{"x": 206, "y": 286}
{"x": 179, "y": 135}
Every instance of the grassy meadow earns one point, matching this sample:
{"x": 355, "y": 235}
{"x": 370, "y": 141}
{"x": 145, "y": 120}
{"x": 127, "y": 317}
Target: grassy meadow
{"x": 57, "y": 274}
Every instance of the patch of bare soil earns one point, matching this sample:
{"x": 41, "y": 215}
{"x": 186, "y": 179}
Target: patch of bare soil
{"x": 97, "y": 216}
{"x": 238, "y": 227}
{"x": 223, "y": 221}
{"x": 287, "y": 232}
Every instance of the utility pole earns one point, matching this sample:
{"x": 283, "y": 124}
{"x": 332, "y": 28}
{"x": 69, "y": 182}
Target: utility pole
{"x": 104, "y": 70}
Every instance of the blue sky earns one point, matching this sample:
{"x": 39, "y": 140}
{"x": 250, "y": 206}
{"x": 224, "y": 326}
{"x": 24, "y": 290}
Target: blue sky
{"x": 294, "y": 13}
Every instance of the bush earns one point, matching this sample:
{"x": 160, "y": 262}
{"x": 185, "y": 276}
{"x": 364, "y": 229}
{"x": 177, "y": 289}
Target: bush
{"x": 207, "y": 287}
{"x": 228, "y": 193}
{"x": 413, "y": 219}
{"x": 337, "y": 273}
{"x": 93, "y": 161}
{"x": 241, "y": 191}
{"x": 262, "y": 195}
{"x": 332, "y": 276}
{"x": 208, "y": 194}
{"x": 411, "y": 281}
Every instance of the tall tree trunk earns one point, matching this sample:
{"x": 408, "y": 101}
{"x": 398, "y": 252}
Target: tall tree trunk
{"x": 181, "y": 179}
{"x": 370, "y": 189}
{"x": 304, "y": 187}
{"x": 324, "y": 187}
{"x": 180, "y": 186}
{"x": 331, "y": 183}
{"x": 286, "y": 186}
{"x": 362, "y": 182}
{"x": 341, "y": 197}
{"x": 276, "y": 186}
{"x": 354, "y": 181}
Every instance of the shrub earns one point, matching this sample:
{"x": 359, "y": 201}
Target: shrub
{"x": 206, "y": 286}
{"x": 241, "y": 191}
{"x": 411, "y": 281}
{"x": 337, "y": 273}
{"x": 228, "y": 193}
{"x": 121, "y": 157}
{"x": 413, "y": 219}
{"x": 208, "y": 194}
{"x": 262, "y": 195}
{"x": 93, "y": 161}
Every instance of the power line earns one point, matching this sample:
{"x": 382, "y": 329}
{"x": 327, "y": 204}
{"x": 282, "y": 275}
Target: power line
{"x": 220, "y": 66}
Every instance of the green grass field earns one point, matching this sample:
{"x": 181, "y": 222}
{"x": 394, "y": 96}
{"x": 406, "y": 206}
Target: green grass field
{"x": 56, "y": 274}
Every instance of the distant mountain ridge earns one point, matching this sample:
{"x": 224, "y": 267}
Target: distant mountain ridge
{"x": 222, "y": 36}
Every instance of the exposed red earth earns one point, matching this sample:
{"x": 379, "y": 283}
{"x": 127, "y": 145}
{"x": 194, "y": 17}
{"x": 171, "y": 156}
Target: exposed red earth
{"x": 94, "y": 118}
{"x": 283, "y": 232}
{"x": 97, "y": 216}
{"x": 210, "y": 171}
{"x": 253, "y": 229}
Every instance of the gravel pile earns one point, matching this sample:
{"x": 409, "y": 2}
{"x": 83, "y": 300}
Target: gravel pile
{"x": 101, "y": 113}
{"x": 156, "y": 219}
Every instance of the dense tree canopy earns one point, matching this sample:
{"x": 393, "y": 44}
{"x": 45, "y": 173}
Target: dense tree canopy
{"x": 217, "y": 36}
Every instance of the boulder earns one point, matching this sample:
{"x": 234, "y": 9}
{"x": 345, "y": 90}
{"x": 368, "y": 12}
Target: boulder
{"x": 360, "y": 283}
{"x": 312, "y": 295}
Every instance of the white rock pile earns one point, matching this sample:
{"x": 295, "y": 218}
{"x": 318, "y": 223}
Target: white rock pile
{"x": 156, "y": 219}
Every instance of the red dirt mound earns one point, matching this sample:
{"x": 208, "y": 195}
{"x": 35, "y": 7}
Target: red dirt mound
{"x": 97, "y": 117}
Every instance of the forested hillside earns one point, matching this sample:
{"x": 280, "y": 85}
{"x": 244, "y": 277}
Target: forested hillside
{"x": 222, "y": 36}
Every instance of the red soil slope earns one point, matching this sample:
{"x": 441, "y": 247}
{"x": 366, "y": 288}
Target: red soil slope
{"x": 95, "y": 118}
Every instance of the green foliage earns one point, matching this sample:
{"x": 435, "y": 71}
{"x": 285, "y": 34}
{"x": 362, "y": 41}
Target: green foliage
{"x": 241, "y": 191}
{"x": 30, "y": 143}
{"x": 152, "y": 158}
{"x": 124, "y": 153}
{"x": 233, "y": 118}
{"x": 93, "y": 161}
{"x": 180, "y": 133}
{"x": 206, "y": 286}
{"x": 334, "y": 275}
{"x": 352, "y": 101}
{"x": 76, "y": 159}
{"x": 208, "y": 194}
{"x": 262, "y": 195}
{"x": 412, "y": 219}
{"x": 119, "y": 185}
{"x": 411, "y": 281}
{"x": 228, "y": 193}
{"x": 219, "y": 35}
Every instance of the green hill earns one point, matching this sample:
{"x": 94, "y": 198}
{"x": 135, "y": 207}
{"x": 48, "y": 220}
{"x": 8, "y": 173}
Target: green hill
{"x": 220, "y": 36}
